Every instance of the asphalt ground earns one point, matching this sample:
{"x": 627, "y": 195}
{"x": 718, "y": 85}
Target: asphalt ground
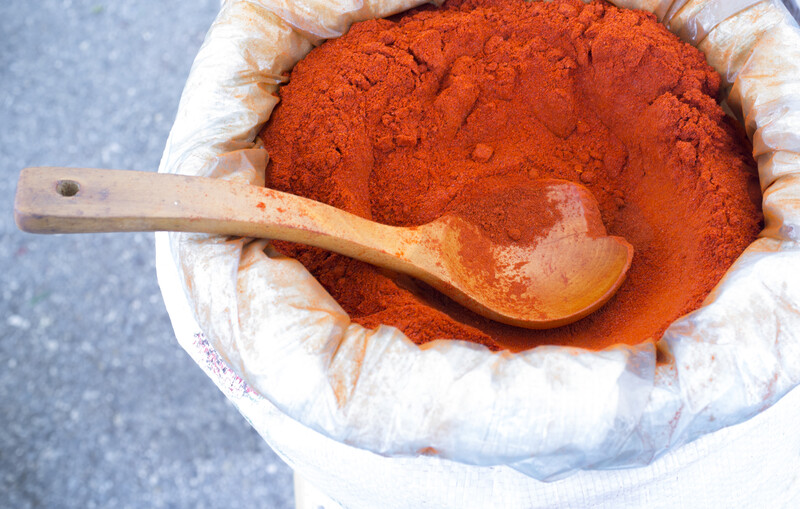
{"x": 99, "y": 406}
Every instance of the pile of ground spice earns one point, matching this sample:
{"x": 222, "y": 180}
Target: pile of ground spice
{"x": 403, "y": 120}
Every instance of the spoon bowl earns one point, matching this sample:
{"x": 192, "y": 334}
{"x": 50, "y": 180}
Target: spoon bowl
{"x": 572, "y": 270}
{"x": 566, "y": 273}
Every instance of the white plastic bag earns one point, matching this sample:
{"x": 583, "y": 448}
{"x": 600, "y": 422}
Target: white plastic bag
{"x": 547, "y": 412}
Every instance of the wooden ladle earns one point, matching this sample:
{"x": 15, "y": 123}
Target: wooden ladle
{"x": 569, "y": 273}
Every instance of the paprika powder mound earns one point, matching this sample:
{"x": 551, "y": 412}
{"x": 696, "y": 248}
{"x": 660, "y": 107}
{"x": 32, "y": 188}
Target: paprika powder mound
{"x": 433, "y": 111}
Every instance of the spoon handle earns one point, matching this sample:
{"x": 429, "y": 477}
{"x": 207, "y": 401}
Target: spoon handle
{"x": 85, "y": 200}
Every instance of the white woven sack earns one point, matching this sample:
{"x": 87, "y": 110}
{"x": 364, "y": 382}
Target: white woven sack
{"x": 310, "y": 381}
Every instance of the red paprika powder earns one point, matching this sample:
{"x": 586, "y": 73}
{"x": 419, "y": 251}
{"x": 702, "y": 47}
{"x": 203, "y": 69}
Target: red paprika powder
{"x": 434, "y": 111}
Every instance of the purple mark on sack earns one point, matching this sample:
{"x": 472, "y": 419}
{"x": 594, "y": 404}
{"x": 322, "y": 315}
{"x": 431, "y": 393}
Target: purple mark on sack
{"x": 220, "y": 372}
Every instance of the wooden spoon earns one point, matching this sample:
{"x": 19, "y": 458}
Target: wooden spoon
{"x": 568, "y": 274}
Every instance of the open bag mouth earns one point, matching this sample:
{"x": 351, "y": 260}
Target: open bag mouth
{"x": 272, "y": 335}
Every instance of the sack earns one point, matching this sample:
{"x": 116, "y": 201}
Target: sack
{"x": 352, "y": 408}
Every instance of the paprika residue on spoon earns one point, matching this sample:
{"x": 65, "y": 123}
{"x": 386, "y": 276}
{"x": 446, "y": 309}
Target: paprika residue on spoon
{"x": 552, "y": 260}
{"x": 404, "y": 120}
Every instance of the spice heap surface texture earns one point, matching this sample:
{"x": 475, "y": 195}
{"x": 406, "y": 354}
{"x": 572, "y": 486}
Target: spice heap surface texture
{"x": 461, "y": 108}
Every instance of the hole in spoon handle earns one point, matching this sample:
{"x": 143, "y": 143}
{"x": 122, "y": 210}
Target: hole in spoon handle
{"x": 67, "y": 188}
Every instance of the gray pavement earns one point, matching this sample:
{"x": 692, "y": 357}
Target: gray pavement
{"x": 99, "y": 406}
